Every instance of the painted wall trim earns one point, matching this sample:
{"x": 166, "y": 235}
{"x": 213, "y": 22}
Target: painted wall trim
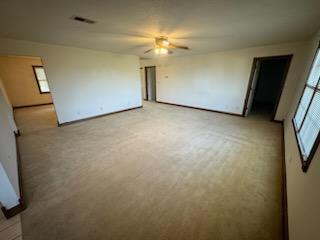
{"x": 9, "y": 213}
{"x": 97, "y": 116}
{"x": 204, "y": 109}
{"x": 33, "y": 105}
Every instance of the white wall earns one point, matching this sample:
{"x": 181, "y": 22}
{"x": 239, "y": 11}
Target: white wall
{"x": 9, "y": 198}
{"x": 143, "y": 83}
{"x": 84, "y": 83}
{"x": 9, "y": 183}
{"x": 302, "y": 188}
{"x": 9, "y": 107}
{"x": 20, "y": 82}
{"x": 5, "y": 95}
{"x": 218, "y": 81}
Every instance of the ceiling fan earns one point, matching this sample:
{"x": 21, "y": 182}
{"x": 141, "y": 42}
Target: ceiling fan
{"x": 163, "y": 46}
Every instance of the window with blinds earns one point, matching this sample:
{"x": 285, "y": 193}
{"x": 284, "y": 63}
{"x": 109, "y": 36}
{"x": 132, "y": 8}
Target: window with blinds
{"x": 307, "y": 117}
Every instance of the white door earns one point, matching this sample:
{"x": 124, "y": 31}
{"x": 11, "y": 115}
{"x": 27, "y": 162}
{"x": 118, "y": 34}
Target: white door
{"x": 253, "y": 87}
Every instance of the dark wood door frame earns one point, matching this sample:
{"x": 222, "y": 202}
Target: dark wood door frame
{"x": 146, "y": 81}
{"x": 283, "y": 79}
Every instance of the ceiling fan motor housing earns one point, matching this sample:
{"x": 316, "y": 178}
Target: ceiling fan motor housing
{"x": 162, "y": 42}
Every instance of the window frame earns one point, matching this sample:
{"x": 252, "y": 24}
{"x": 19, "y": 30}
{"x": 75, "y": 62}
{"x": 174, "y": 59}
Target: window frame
{"x": 37, "y": 80}
{"x": 306, "y": 162}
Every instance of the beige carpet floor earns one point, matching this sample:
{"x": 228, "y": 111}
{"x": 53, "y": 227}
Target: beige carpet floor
{"x": 160, "y": 172}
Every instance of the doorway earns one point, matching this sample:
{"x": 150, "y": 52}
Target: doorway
{"x": 265, "y": 87}
{"x": 150, "y": 83}
{"x": 26, "y": 86}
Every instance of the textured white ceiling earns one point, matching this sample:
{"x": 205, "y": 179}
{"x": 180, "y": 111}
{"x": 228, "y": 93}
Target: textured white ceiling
{"x": 125, "y": 26}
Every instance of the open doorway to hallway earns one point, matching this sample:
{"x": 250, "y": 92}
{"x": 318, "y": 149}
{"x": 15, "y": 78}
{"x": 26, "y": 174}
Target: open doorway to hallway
{"x": 265, "y": 86}
{"x": 150, "y": 83}
{"x": 25, "y": 85}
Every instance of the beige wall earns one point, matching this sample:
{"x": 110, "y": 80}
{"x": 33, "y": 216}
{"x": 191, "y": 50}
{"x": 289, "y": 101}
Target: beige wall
{"x": 84, "y": 83}
{"x": 19, "y": 81}
{"x": 302, "y": 188}
{"x": 219, "y": 81}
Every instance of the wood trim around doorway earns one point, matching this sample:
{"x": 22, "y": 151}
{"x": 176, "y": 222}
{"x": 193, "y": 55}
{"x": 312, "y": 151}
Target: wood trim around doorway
{"x": 253, "y": 68}
{"x": 284, "y": 77}
{"x": 146, "y": 82}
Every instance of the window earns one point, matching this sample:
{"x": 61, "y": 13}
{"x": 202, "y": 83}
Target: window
{"x": 306, "y": 121}
{"x": 41, "y": 79}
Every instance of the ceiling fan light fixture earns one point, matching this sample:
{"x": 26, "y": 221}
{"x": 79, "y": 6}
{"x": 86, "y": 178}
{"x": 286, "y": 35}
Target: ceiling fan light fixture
{"x": 163, "y": 51}
{"x": 165, "y": 43}
{"x": 162, "y": 46}
{"x": 157, "y": 50}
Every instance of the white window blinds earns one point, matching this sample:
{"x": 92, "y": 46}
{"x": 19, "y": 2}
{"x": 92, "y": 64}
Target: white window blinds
{"x": 307, "y": 117}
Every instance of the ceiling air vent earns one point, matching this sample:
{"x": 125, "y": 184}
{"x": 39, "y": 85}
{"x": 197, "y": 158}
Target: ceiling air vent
{"x": 85, "y": 20}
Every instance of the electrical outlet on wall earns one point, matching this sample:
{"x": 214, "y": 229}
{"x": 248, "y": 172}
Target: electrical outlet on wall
{"x": 101, "y": 108}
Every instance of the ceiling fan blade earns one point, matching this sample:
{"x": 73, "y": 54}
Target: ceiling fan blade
{"x": 138, "y": 47}
{"x": 116, "y": 35}
{"x": 149, "y": 50}
{"x": 178, "y": 46}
